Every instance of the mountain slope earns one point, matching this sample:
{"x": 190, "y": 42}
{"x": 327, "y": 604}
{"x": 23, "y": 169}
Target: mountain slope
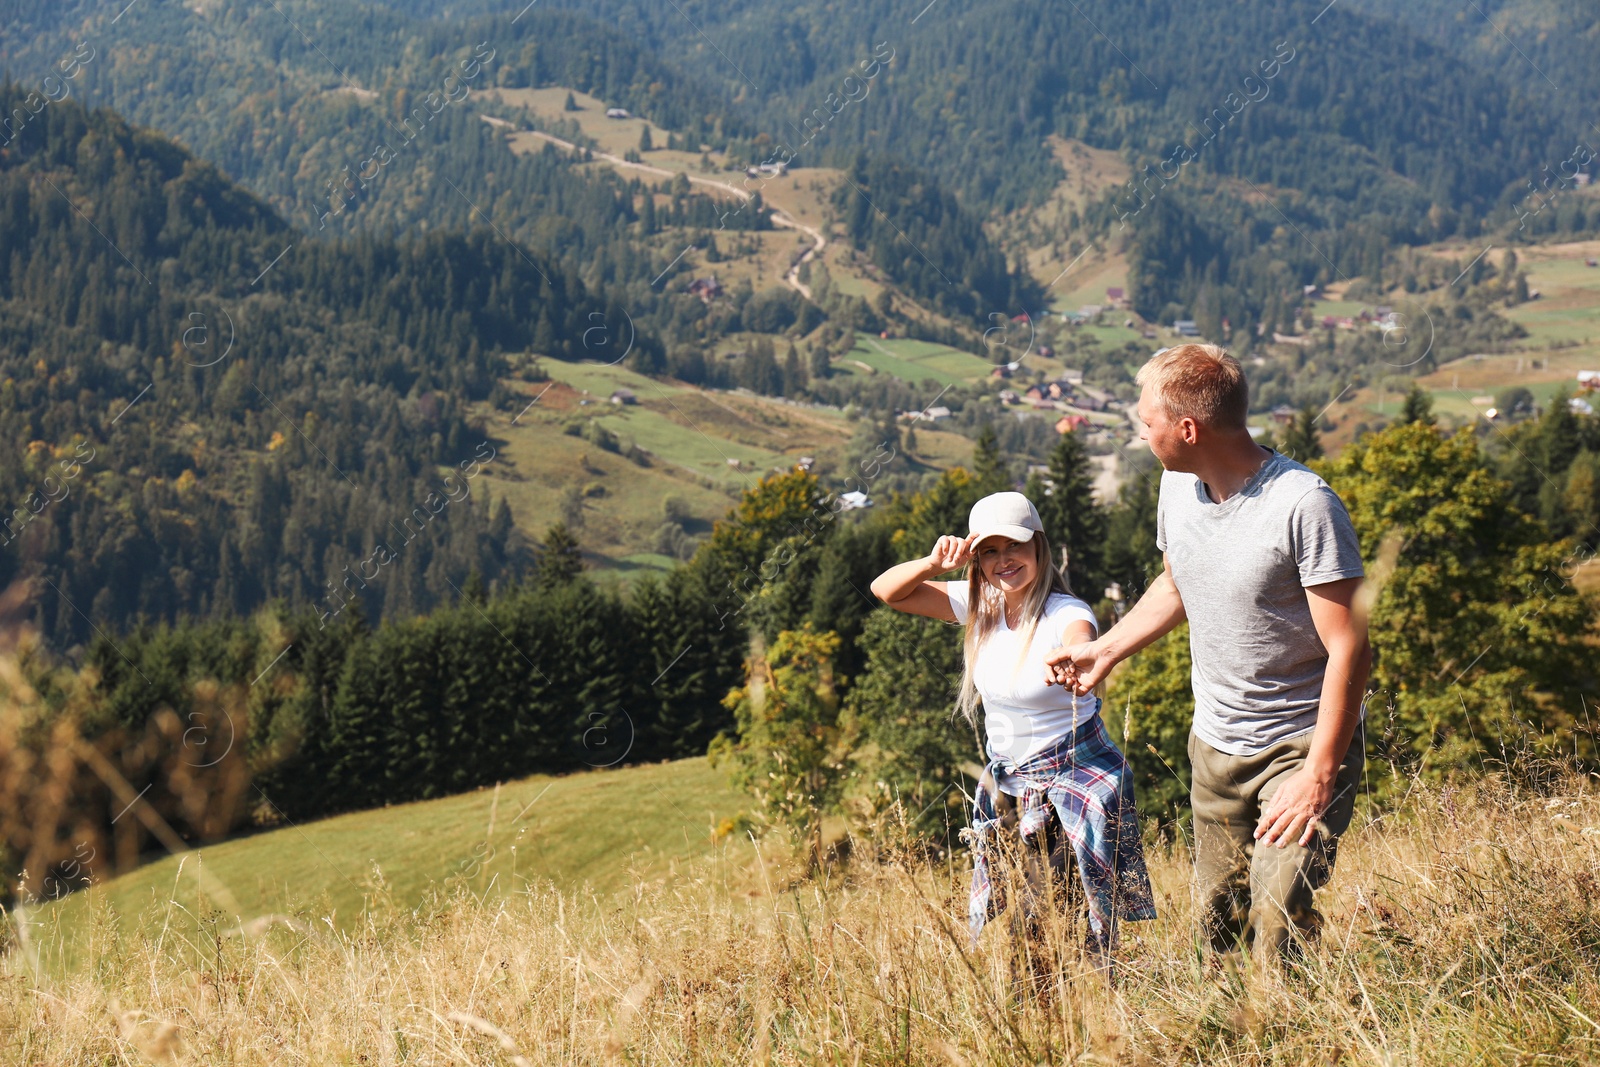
{"x": 212, "y": 411}
{"x": 972, "y": 90}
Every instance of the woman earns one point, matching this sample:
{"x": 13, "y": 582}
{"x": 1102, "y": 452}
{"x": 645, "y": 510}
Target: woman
{"x": 1055, "y": 778}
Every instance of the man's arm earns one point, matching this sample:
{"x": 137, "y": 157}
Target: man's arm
{"x": 1305, "y": 795}
{"x": 1084, "y": 666}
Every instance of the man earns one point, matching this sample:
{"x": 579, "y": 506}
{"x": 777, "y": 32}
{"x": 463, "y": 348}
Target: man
{"x": 1262, "y": 560}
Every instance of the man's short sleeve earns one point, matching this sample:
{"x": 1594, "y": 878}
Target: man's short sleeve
{"x": 1324, "y": 539}
{"x": 1161, "y": 515}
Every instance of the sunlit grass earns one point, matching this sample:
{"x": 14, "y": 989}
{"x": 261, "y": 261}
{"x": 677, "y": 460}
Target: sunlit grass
{"x": 1463, "y": 928}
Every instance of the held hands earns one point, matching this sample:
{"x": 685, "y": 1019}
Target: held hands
{"x": 950, "y": 552}
{"x": 1079, "y": 667}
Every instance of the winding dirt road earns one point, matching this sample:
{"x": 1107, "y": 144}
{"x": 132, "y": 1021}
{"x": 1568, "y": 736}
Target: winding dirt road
{"x": 780, "y": 218}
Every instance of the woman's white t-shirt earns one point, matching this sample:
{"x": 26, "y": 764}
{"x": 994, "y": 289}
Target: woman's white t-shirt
{"x": 1023, "y": 716}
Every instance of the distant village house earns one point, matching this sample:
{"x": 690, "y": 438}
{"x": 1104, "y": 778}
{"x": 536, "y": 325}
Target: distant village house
{"x": 707, "y": 289}
{"x": 853, "y": 501}
{"x": 1091, "y": 399}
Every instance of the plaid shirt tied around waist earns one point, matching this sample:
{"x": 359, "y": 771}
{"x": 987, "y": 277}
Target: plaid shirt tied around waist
{"x": 1087, "y": 783}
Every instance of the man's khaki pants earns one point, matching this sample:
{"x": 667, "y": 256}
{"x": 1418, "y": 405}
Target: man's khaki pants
{"x": 1258, "y": 895}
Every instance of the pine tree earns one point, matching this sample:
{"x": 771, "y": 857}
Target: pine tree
{"x": 560, "y": 560}
{"x": 571, "y": 504}
{"x": 571, "y": 104}
{"x": 889, "y": 432}
{"x": 820, "y": 367}
{"x": 645, "y": 144}
{"x": 1418, "y": 406}
{"x": 988, "y": 468}
{"x": 1559, "y": 438}
{"x": 794, "y": 373}
{"x": 1072, "y": 519}
{"x": 792, "y": 745}
{"x": 1301, "y": 441}
{"x": 1132, "y": 559}
{"x": 901, "y": 705}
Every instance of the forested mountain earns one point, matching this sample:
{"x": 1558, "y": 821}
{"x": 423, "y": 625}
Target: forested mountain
{"x": 353, "y": 120}
{"x": 1290, "y": 142}
{"x": 1274, "y": 144}
{"x": 1546, "y": 48}
{"x": 1361, "y": 111}
{"x": 917, "y": 232}
{"x": 207, "y": 410}
{"x": 1357, "y": 103}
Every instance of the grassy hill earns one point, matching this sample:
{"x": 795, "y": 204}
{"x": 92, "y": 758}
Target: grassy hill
{"x": 1459, "y": 929}
{"x": 604, "y": 830}
{"x": 704, "y": 448}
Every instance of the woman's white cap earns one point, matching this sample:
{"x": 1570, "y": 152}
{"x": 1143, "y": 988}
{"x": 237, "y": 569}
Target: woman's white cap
{"x": 1006, "y": 514}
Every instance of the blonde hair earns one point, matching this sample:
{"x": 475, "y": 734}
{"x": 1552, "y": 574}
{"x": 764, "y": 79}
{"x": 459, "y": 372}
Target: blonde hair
{"x": 1200, "y": 382}
{"x": 986, "y": 606}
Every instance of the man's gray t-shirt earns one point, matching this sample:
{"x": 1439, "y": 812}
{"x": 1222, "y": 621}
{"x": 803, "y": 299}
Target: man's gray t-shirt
{"x": 1241, "y": 567}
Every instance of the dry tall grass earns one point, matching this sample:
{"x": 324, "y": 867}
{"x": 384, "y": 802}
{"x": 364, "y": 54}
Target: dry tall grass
{"x": 1464, "y": 928}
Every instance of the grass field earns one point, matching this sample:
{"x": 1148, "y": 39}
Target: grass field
{"x": 1568, "y": 309}
{"x": 1074, "y": 284}
{"x": 1462, "y": 927}
{"x": 690, "y": 436}
{"x": 914, "y": 361}
{"x": 605, "y": 830}
{"x": 613, "y": 135}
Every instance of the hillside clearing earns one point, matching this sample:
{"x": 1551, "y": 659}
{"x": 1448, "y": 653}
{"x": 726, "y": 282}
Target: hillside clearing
{"x": 704, "y": 448}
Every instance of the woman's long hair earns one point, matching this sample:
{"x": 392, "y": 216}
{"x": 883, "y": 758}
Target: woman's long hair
{"x": 986, "y": 606}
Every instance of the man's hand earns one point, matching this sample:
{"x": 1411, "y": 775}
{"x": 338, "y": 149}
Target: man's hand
{"x": 1079, "y": 667}
{"x": 950, "y": 552}
{"x": 1295, "y": 808}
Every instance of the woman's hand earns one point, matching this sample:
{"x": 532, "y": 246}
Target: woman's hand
{"x": 950, "y": 552}
{"x": 909, "y": 586}
{"x": 1079, "y": 667}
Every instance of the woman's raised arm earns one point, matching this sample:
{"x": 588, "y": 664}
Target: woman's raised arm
{"x": 906, "y": 587}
